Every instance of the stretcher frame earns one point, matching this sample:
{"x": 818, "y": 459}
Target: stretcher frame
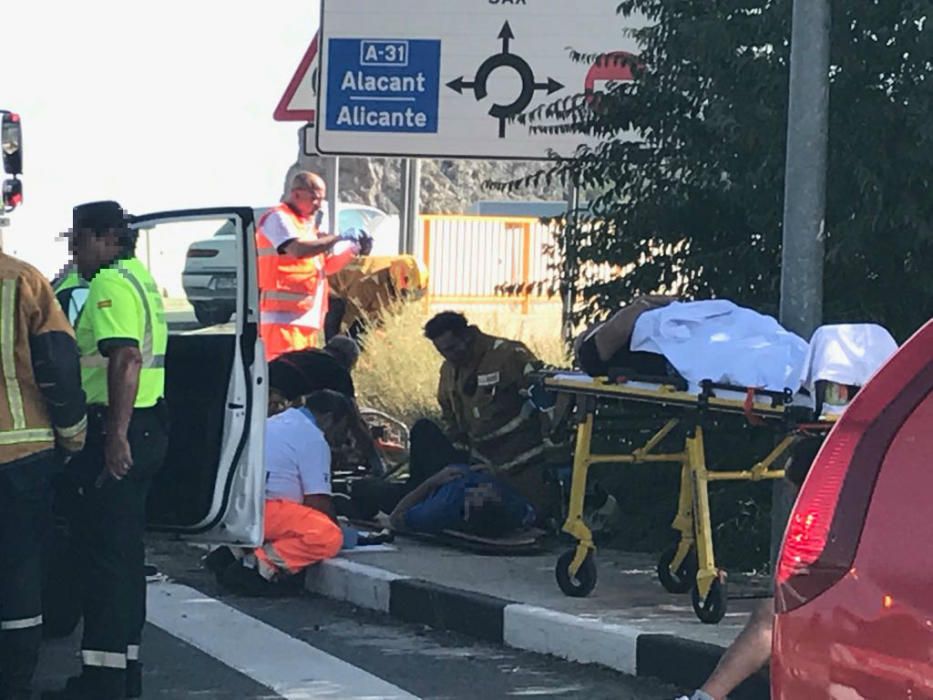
{"x": 576, "y": 568}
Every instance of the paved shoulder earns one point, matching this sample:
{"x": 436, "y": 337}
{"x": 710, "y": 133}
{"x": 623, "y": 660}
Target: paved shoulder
{"x": 355, "y": 649}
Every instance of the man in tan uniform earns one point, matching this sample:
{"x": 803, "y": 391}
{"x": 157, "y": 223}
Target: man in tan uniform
{"x": 42, "y": 418}
{"x": 486, "y": 408}
{"x": 489, "y": 422}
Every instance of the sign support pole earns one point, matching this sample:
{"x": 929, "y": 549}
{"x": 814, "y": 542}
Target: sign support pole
{"x": 404, "y": 177}
{"x": 332, "y": 178}
{"x": 802, "y": 253}
{"x": 412, "y": 204}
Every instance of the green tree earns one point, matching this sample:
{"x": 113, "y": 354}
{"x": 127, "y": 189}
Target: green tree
{"x": 697, "y": 199}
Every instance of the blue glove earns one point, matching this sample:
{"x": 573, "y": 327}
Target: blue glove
{"x": 358, "y": 236}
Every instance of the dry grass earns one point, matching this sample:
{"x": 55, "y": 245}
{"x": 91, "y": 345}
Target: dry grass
{"x": 399, "y": 370}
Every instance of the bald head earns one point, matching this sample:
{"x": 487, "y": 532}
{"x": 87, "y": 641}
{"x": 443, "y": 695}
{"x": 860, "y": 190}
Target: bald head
{"x": 308, "y": 191}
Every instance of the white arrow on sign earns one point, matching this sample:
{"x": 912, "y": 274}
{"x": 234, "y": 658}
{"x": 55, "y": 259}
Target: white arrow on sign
{"x": 299, "y": 103}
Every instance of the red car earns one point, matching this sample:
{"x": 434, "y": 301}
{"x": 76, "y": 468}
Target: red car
{"x": 854, "y": 587}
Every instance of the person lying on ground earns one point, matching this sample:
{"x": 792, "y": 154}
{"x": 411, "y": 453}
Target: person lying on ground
{"x": 751, "y": 650}
{"x": 487, "y": 416}
{"x": 300, "y": 521}
{"x": 463, "y": 499}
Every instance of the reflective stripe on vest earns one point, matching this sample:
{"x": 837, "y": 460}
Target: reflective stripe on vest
{"x": 283, "y": 296}
{"x": 150, "y": 360}
{"x": 286, "y": 284}
{"x": 7, "y": 350}
{"x": 17, "y": 437}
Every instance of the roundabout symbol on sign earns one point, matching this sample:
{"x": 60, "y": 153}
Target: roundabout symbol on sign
{"x": 504, "y": 59}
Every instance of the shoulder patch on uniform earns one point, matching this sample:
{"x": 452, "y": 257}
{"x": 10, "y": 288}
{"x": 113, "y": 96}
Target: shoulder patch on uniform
{"x": 104, "y": 303}
{"x": 490, "y": 379}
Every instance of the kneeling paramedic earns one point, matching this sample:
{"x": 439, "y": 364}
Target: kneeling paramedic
{"x": 300, "y": 522}
{"x": 41, "y": 409}
{"x": 122, "y": 337}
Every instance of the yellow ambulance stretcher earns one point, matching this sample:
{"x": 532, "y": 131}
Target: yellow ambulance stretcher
{"x": 689, "y": 565}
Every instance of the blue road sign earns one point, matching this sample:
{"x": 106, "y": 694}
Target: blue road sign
{"x": 380, "y": 85}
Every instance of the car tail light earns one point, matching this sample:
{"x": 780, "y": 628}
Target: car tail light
{"x": 825, "y": 526}
{"x": 203, "y": 253}
{"x": 809, "y": 526}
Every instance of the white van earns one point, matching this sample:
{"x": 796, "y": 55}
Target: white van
{"x": 211, "y": 487}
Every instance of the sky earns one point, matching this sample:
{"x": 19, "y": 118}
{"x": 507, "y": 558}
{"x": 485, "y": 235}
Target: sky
{"x": 160, "y": 106}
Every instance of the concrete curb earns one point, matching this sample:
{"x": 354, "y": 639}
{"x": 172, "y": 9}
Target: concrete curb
{"x": 628, "y": 649}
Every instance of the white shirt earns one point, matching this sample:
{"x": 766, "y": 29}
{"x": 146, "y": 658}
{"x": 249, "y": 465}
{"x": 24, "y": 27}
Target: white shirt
{"x": 282, "y": 229}
{"x": 297, "y": 457}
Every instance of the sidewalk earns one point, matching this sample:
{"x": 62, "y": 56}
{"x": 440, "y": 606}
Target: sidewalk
{"x": 629, "y": 623}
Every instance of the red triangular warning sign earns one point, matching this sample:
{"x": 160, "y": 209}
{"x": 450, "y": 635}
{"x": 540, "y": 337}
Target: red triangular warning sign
{"x": 299, "y": 102}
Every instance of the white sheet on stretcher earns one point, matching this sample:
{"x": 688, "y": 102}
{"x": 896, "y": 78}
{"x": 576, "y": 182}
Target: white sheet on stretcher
{"x": 846, "y": 354}
{"x": 723, "y": 342}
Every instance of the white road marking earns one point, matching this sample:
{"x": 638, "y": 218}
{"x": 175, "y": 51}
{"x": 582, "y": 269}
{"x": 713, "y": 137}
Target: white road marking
{"x": 293, "y": 669}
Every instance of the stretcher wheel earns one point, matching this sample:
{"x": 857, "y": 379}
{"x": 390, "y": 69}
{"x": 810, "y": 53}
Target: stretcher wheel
{"x": 713, "y": 609}
{"x": 584, "y": 582}
{"x": 682, "y": 580}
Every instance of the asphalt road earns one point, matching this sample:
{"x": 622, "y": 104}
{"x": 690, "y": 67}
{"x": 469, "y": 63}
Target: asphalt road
{"x": 201, "y": 643}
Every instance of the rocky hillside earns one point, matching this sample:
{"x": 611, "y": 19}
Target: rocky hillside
{"x": 447, "y": 186}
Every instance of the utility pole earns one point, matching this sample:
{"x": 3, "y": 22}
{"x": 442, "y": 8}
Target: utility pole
{"x": 570, "y": 275}
{"x": 802, "y": 252}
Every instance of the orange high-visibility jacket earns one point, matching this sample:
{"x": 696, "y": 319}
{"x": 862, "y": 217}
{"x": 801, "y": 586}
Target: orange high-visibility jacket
{"x": 287, "y": 284}
{"x": 41, "y": 401}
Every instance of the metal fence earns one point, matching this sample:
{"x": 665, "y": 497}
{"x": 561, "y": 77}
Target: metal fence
{"x": 486, "y": 259}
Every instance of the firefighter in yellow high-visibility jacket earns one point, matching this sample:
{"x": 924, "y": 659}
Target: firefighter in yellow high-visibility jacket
{"x": 42, "y": 420}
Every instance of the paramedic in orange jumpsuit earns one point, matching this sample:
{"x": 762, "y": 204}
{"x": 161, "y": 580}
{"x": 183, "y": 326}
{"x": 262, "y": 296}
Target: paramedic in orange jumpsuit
{"x": 295, "y": 259}
{"x": 300, "y": 521}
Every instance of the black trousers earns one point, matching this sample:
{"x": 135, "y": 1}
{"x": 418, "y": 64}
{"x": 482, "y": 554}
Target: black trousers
{"x": 430, "y": 451}
{"x": 25, "y": 513}
{"x": 111, "y": 521}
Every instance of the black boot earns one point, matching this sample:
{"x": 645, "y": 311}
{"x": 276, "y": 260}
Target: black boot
{"x": 134, "y": 679}
{"x": 98, "y": 684}
{"x": 19, "y": 655}
{"x": 245, "y": 581}
{"x": 218, "y": 560}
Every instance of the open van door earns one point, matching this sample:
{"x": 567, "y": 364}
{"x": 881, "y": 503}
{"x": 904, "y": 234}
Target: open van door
{"x": 211, "y": 488}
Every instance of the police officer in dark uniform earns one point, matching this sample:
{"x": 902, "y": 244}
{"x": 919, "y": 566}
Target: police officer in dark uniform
{"x": 122, "y": 337}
